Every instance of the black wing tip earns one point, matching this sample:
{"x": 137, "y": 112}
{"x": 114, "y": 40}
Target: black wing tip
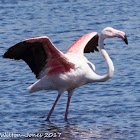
{"x": 10, "y": 49}
{"x": 16, "y": 51}
{"x": 8, "y": 54}
{"x": 96, "y": 49}
{"x": 5, "y": 55}
{"x": 91, "y": 51}
{"x": 32, "y": 53}
{"x": 92, "y": 45}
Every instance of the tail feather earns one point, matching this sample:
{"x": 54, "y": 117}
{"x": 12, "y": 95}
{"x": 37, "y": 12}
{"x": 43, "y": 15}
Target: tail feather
{"x": 31, "y": 89}
{"x": 41, "y": 84}
{"x": 34, "y": 87}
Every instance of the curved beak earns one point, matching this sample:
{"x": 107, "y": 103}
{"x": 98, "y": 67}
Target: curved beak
{"x": 125, "y": 39}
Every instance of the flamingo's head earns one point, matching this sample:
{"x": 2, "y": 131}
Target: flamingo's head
{"x": 110, "y": 32}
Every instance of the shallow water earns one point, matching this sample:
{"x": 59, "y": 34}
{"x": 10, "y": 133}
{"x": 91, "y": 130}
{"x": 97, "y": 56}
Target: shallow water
{"x": 101, "y": 111}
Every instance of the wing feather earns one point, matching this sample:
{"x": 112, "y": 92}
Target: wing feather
{"x": 39, "y": 53}
{"x": 32, "y": 53}
{"x": 86, "y": 44}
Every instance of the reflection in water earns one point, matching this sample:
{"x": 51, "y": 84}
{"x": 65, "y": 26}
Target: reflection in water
{"x": 70, "y": 130}
{"x": 67, "y": 130}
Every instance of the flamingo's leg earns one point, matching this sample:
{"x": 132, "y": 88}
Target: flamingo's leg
{"x": 49, "y": 115}
{"x": 68, "y": 103}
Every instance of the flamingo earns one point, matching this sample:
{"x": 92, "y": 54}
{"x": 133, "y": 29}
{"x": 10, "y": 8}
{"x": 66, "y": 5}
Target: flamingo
{"x": 64, "y": 72}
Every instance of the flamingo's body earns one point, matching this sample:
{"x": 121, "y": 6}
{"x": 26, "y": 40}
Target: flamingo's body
{"x": 64, "y": 72}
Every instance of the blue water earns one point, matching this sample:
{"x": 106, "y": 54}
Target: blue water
{"x": 99, "y": 111}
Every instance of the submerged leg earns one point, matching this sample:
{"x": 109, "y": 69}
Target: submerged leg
{"x": 68, "y": 103}
{"x": 49, "y": 115}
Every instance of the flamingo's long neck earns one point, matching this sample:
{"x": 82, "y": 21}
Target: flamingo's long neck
{"x": 109, "y": 74}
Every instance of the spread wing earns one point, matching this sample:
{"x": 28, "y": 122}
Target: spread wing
{"x": 86, "y": 44}
{"x": 40, "y": 53}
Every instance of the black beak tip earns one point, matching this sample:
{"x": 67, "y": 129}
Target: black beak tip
{"x": 125, "y": 39}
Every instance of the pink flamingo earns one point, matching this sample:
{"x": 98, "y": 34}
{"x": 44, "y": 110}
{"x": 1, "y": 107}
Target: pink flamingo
{"x": 64, "y": 72}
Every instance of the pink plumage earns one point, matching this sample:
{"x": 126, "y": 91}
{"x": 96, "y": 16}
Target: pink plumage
{"x": 79, "y": 45}
{"x": 64, "y": 72}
